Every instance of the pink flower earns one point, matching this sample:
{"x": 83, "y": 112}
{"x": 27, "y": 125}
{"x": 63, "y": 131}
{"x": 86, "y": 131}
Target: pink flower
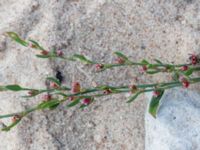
{"x": 76, "y": 87}
{"x": 185, "y": 83}
{"x": 44, "y": 52}
{"x": 59, "y": 53}
{"x": 47, "y": 97}
{"x": 194, "y": 59}
{"x": 156, "y": 93}
{"x": 99, "y": 67}
{"x": 184, "y": 68}
{"x": 143, "y": 69}
{"x": 54, "y": 85}
{"x": 86, "y": 101}
{"x": 120, "y": 60}
{"x": 16, "y": 118}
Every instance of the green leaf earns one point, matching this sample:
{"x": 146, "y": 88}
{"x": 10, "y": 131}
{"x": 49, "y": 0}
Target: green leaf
{"x": 188, "y": 72}
{"x": 36, "y": 44}
{"x": 43, "y": 56}
{"x": 132, "y": 98}
{"x": 8, "y": 128}
{"x": 75, "y": 102}
{"x": 55, "y": 80}
{"x": 158, "y": 61}
{"x": 119, "y": 54}
{"x": 13, "y": 87}
{"x": 49, "y": 104}
{"x": 145, "y": 62}
{"x": 82, "y": 58}
{"x": 16, "y": 38}
{"x": 175, "y": 76}
{"x": 155, "y": 103}
{"x": 152, "y": 71}
{"x": 7, "y": 115}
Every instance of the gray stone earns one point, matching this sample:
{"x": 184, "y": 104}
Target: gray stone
{"x": 177, "y": 126}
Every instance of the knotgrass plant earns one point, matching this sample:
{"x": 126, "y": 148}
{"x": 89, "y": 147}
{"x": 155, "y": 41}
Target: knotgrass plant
{"x": 75, "y": 95}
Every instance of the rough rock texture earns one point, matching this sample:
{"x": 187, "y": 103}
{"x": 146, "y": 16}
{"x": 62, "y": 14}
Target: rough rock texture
{"x": 166, "y": 29}
{"x": 177, "y": 126}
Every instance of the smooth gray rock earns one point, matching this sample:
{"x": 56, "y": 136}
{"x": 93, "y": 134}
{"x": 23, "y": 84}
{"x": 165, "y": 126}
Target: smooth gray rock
{"x": 177, "y": 126}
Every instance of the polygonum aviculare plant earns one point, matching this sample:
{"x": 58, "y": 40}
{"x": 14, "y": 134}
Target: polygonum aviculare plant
{"x": 76, "y": 95}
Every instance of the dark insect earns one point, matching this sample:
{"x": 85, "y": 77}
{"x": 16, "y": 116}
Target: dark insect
{"x": 59, "y": 76}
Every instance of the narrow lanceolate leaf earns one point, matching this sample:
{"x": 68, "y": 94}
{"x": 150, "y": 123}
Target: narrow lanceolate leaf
{"x": 175, "y": 76}
{"x": 188, "y": 72}
{"x": 145, "y": 62}
{"x": 82, "y": 58}
{"x": 8, "y": 128}
{"x": 14, "y": 87}
{"x": 155, "y": 103}
{"x": 74, "y": 102}
{"x": 43, "y": 56}
{"x": 158, "y": 61}
{"x": 7, "y": 115}
{"x": 36, "y": 45}
{"x": 132, "y": 98}
{"x": 49, "y": 104}
{"x": 55, "y": 80}
{"x": 152, "y": 71}
{"x": 16, "y": 38}
{"x": 119, "y": 54}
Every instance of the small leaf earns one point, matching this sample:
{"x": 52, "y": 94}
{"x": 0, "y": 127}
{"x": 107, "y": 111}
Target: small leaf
{"x": 152, "y": 71}
{"x": 55, "y": 80}
{"x": 14, "y": 87}
{"x": 175, "y": 76}
{"x": 119, "y": 54}
{"x": 82, "y": 58}
{"x": 158, "y": 61}
{"x": 7, "y": 115}
{"x": 49, "y": 104}
{"x": 16, "y": 38}
{"x": 188, "y": 72}
{"x": 8, "y": 128}
{"x": 43, "y": 56}
{"x": 145, "y": 62}
{"x": 132, "y": 98}
{"x": 36, "y": 44}
{"x": 155, "y": 103}
{"x": 75, "y": 102}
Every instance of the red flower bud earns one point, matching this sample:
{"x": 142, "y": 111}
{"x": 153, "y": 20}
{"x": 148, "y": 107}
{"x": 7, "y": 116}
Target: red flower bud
{"x": 194, "y": 59}
{"x": 47, "y": 97}
{"x": 99, "y": 67}
{"x": 133, "y": 88}
{"x": 185, "y": 83}
{"x": 54, "y": 85}
{"x": 120, "y": 60}
{"x": 156, "y": 93}
{"x": 71, "y": 98}
{"x": 59, "y": 53}
{"x": 86, "y": 101}
{"x": 107, "y": 91}
{"x": 16, "y": 118}
{"x": 143, "y": 69}
{"x": 31, "y": 45}
{"x": 76, "y": 87}
{"x": 44, "y": 52}
{"x": 184, "y": 68}
{"x": 32, "y": 92}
